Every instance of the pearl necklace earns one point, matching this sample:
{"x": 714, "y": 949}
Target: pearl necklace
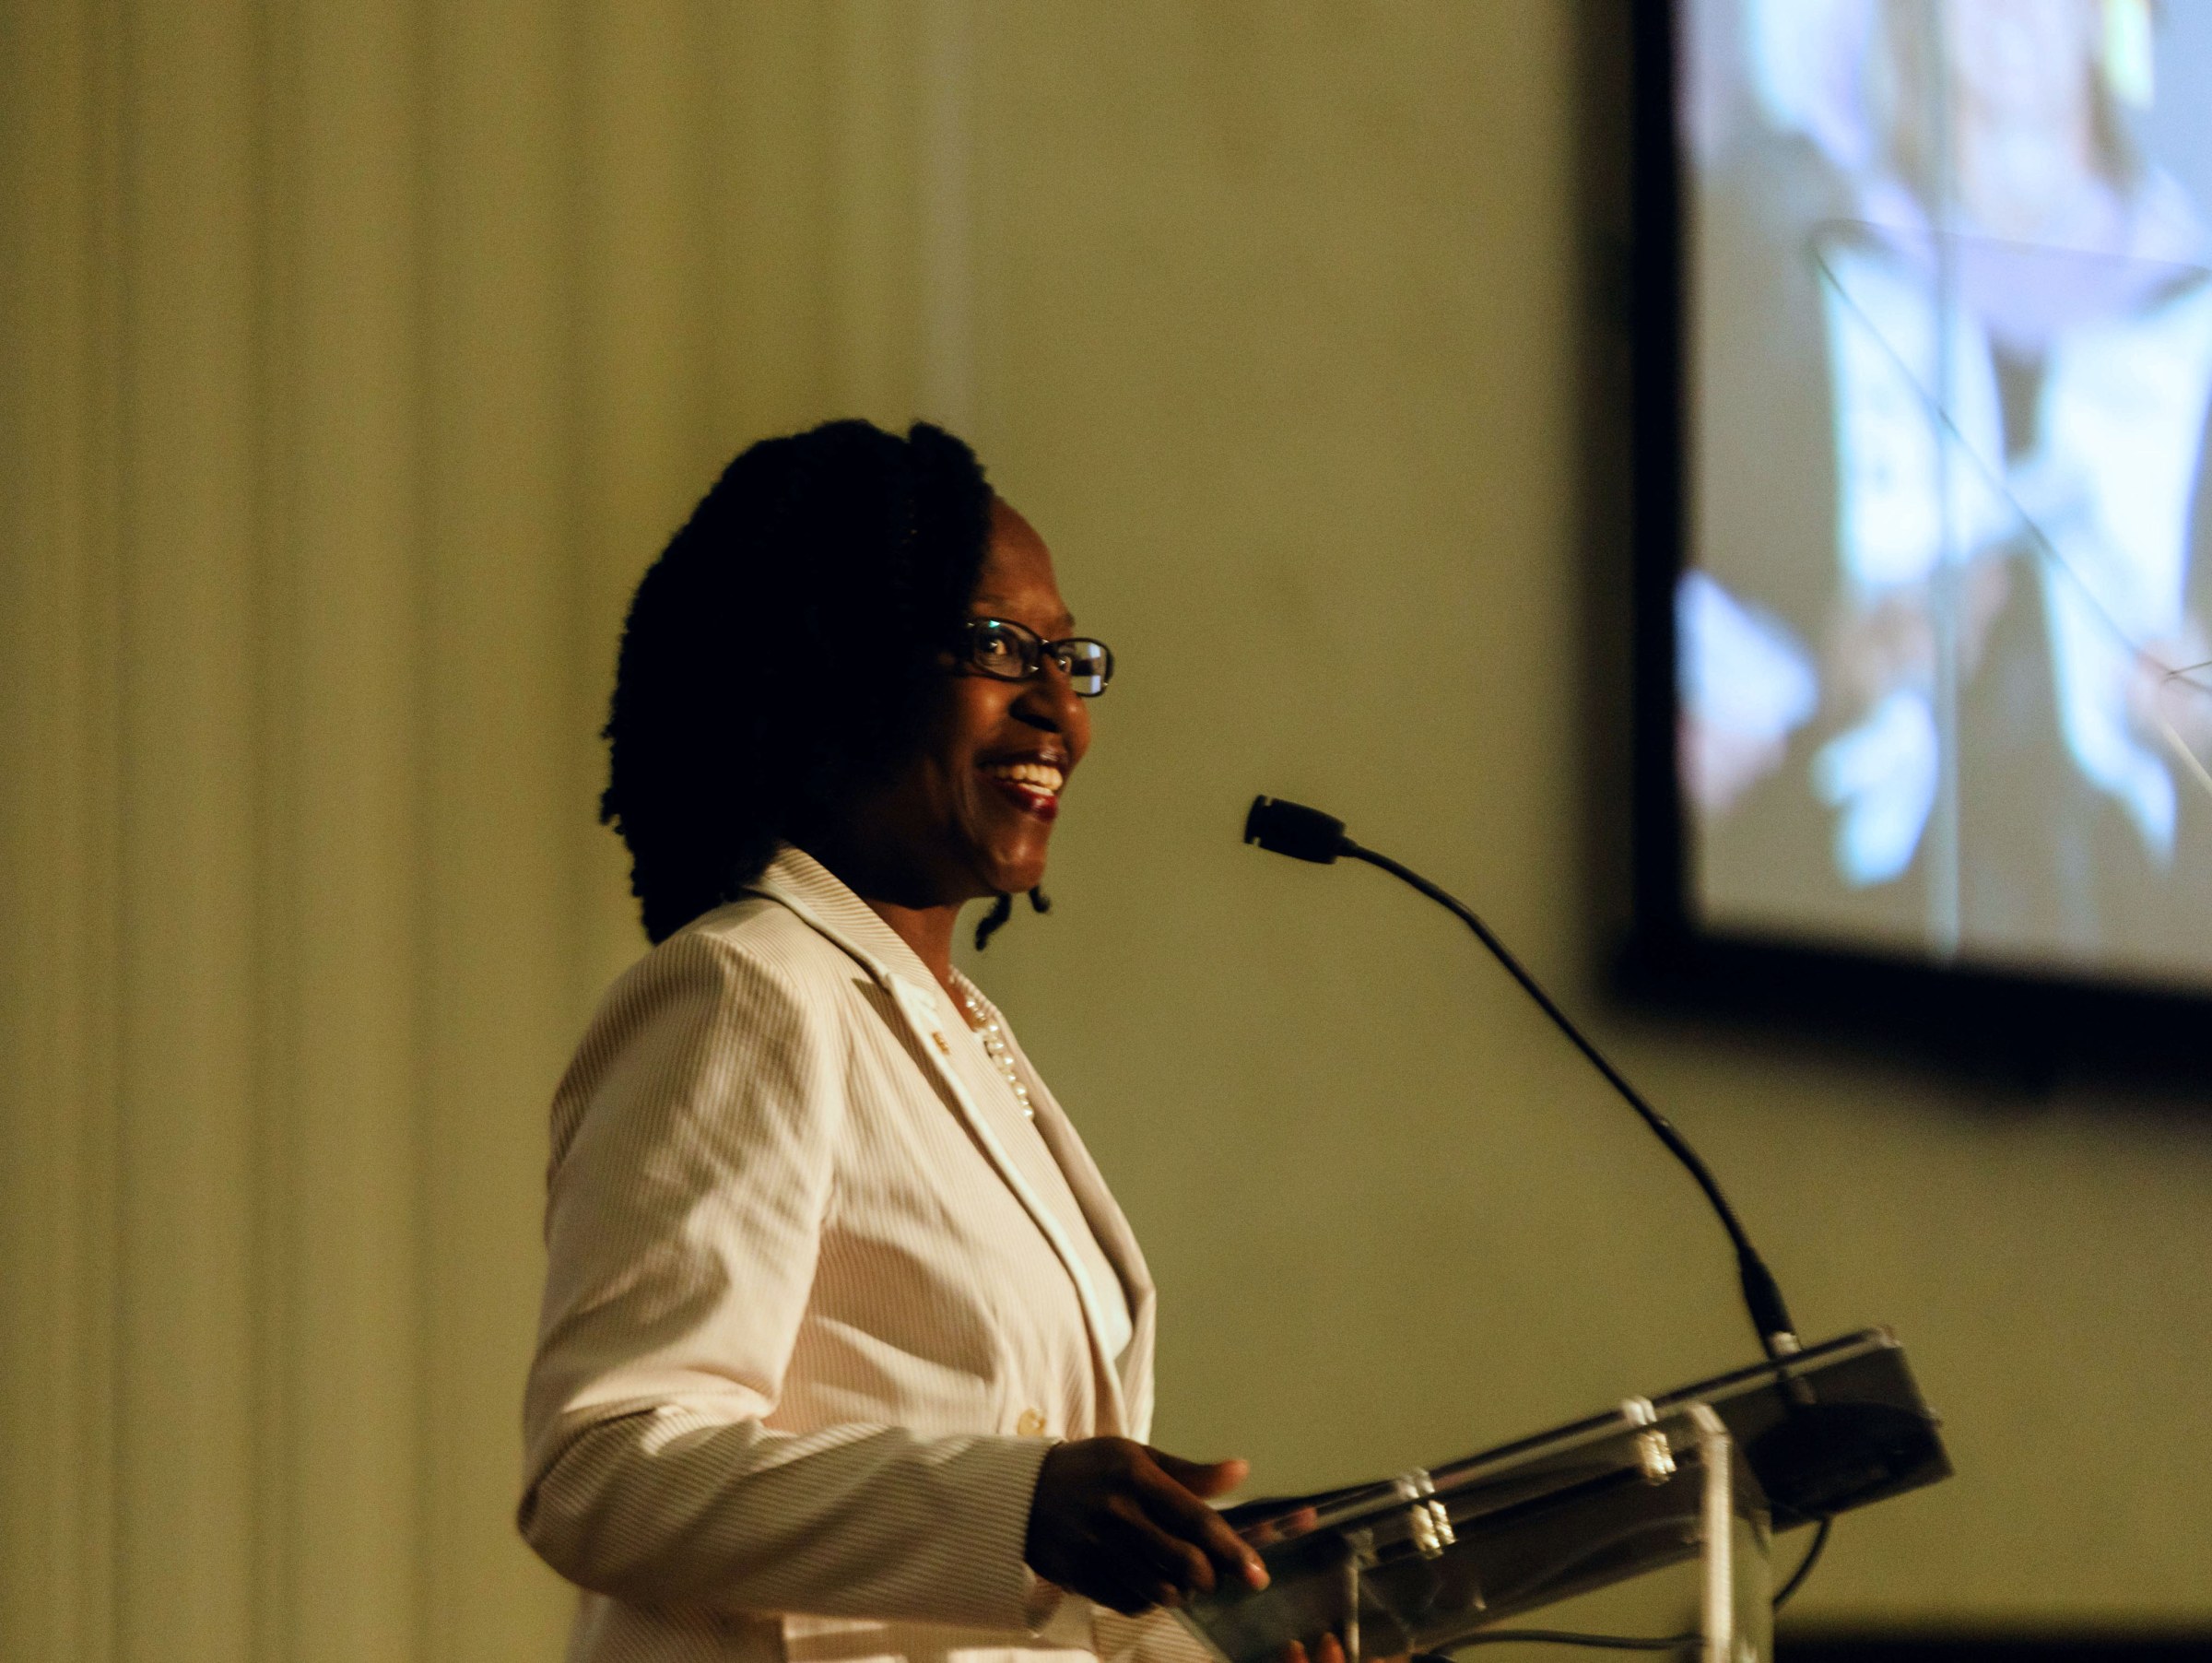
{"x": 985, "y": 1027}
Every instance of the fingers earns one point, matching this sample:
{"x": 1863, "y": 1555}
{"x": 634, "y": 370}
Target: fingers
{"x": 1126, "y": 1526}
{"x": 1282, "y": 1527}
{"x": 1268, "y": 1532}
{"x": 1207, "y": 1478}
{"x": 1182, "y": 1563}
{"x": 1327, "y": 1649}
{"x": 1180, "y": 1512}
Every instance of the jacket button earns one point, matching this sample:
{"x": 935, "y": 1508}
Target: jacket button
{"x": 1031, "y": 1426}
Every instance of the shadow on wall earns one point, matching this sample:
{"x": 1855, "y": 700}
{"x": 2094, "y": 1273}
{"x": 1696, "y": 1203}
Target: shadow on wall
{"x": 1605, "y": 68}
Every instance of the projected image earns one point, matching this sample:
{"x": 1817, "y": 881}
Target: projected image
{"x": 1940, "y": 644}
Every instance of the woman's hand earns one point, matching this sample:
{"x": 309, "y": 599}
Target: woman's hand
{"x": 1127, "y": 1526}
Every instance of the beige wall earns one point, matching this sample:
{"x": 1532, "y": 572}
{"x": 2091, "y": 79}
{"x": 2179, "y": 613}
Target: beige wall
{"x": 359, "y": 356}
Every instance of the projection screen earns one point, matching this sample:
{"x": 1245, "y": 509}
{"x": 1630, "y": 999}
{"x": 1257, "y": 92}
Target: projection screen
{"x": 1944, "y": 597}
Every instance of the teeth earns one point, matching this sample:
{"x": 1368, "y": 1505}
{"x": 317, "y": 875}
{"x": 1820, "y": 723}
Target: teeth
{"x": 1039, "y": 774}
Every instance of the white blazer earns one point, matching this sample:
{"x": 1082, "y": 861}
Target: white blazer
{"x": 809, "y": 1327}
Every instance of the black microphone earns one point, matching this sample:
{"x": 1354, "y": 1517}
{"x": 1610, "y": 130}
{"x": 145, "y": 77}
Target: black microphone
{"x": 1306, "y": 833}
{"x": 1295, "y": 829}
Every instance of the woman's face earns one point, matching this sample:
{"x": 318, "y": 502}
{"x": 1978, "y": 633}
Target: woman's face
{"x": 971, "y": 814}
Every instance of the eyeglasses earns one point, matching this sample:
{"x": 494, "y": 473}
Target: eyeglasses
{"x": 1006, "y": 651}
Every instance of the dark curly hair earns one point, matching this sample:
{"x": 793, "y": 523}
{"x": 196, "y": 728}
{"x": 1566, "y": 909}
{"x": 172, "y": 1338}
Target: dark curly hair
{"x": 808, "y": 596}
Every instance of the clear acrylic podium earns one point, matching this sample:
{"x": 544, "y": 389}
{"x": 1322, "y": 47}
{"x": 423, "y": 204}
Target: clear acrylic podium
{"x": 1441, "y": 1558}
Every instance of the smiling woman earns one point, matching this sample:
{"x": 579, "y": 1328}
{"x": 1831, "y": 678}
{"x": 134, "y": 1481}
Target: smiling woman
{"x": 845, "y": 1351}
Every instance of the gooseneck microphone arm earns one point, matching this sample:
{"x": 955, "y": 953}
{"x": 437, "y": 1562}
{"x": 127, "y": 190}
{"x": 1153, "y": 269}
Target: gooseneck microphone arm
{"x": 1309, "y": 834}
{"x": 1761, "y": 1295}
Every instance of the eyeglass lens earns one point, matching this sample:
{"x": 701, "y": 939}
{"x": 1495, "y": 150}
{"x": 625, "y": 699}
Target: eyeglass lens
{"x": 1012, "y": 653}
{"x": 1087, "y": 664}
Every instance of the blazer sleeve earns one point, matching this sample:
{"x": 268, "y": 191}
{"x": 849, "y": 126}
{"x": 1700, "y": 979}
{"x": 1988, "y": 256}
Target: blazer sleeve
{"x": 1155, "y": 1637}
{"x": 694, "y": 1144}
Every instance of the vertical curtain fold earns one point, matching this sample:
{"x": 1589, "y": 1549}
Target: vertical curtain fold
{"x": 357, "y": 358}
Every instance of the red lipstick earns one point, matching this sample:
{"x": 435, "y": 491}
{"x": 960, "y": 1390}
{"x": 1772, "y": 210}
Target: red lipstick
{"x": 1032, "y": 800}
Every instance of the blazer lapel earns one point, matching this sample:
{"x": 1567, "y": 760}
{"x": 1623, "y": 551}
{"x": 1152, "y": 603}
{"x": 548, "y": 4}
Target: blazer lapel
{"x": 798, "y": 881}
{"x": 925, "y": 1009}
{"x": 1115, "y": 1239}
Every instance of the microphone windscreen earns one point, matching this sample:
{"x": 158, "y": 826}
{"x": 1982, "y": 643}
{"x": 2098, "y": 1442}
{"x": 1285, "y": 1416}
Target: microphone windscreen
{"x": 1294, "y": 830}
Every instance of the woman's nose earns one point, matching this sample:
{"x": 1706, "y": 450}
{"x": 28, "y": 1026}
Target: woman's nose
{"x": 1049, "y": 701}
